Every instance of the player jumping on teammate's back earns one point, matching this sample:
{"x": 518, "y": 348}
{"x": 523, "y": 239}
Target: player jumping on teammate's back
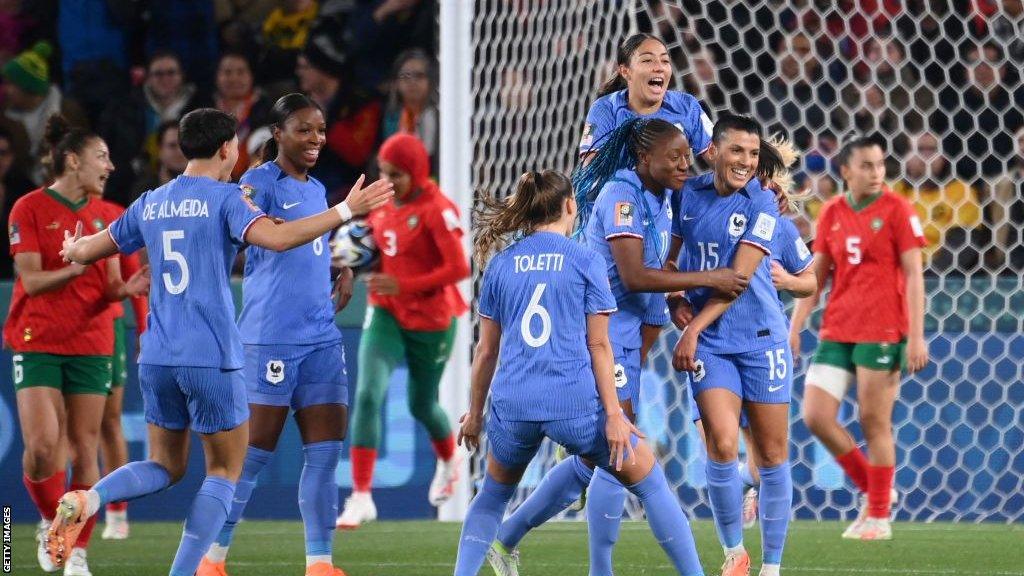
{"x": 414, "y": 303}
{"x": 737, "y": 349}
{"x": 294, "y": 358}
{"x": 538, "y": 336}
{"x": 639, "y": 166}
{"x": 192, "y": 227}
{"x": 869, "y": 242}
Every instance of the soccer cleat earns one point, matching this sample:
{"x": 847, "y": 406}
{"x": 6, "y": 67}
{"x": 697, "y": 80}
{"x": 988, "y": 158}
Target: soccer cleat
{"x": 208, "y": 567}
{"x": 854, "y": 530}
{"x": 323, "y": 569}
{"x": 42, "y": 555}
{"x": 115, "y": 526}
{"x": 750, "y": 508}
{"x": 876, "y": 529}
{"x": 359, "y": 508}
{"x": 445, "y": 476}
{"x": 77, "y": 564}
{"x": 66, "y": 526}
{"x": 503, "y": 562}
{"x": 737, "y": 564}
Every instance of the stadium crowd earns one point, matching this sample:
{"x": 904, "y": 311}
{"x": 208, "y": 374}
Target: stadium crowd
{"x": 130, "y": 70}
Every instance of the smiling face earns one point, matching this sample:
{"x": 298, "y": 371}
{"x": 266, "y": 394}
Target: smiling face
{"x": 648, "y": 73}
{"x": 301, "y": 137}
{"x": 92, "y": 166}
{"x": 234, "y": 78}
{"x": 668, "y": 161}
{"x": 734, "y": 159}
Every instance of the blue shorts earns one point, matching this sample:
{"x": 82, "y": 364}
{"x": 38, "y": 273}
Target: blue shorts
{"x": 763, "y": 376}
{"x": 695, "y": 413}
{"x": 627, "y": 375}
{"x": 296, "y": 376}
{"x": 514, "y": 443}
{"x": 206, "y": 400}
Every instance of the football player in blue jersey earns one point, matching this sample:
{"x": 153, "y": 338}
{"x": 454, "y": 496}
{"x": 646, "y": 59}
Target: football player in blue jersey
{"x": 547, "y": 382}
{"x": 737, "y": 349}
{"x": 294, "y": 358}
{"x": 190, "y": 368}
{"x": 637, "y": 169}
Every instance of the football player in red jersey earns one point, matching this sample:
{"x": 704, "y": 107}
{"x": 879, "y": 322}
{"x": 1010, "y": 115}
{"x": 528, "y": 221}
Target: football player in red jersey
{"x": 61, "y": 329}
{"x": 869, "y": 243}
{"x": 413, "y": 306}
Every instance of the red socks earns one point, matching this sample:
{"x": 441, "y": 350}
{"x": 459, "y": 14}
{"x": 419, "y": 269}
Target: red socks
{"x": 856, "y": 465}
{"x": 363, "y": 460}
{"x": 444, "y": 448}
{"x": 86, "y": 533}
{"x": 879, "y": 490}
{"x": 117, "y": 507}
{"x": 46, "y": 493}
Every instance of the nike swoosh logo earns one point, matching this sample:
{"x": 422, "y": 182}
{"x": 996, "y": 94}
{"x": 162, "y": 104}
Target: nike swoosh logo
{"x": 775, "y": 388}
{"x": 292, "y": 205}
{"x": 883, "y": 359}
{"x": 610, "y": 517}
{"x": 688, "y": 218}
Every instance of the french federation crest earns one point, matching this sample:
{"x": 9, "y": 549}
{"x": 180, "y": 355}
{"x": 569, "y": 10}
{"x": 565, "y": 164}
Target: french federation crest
{"x": 737, "y": 224}
{"x": 275, "y": 372}
{"x": 620, "y": 376}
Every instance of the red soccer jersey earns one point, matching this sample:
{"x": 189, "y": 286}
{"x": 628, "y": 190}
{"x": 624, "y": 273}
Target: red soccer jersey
{"x": 76, "y": 319}
{"x": 867, "y": 302}
{"x": 130, "y": 264}
{"x": 420, "y": 244}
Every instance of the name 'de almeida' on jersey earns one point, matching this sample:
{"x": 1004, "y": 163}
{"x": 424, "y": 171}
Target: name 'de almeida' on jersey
{"x": 185, "y": 208}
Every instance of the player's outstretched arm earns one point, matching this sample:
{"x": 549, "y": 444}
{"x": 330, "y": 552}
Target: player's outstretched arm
{"x": 913, "y": 270}
{"x": 485, "y": 361}
{"x": 35, "y": 280}
{"x": 87, "y": 249}
{"x": 628, "y": 253}
{"x": 617, "y": 428}
{"x": 287, "y": 235}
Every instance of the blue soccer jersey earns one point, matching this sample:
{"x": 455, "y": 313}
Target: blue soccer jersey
{"x": 712, "y": 228}
{"x": 540, "y": 290}
{"x": 790, "y": 250}
{"x": 624, "y": 209}
{"x": 610, "y": 111}
{"x": 192, "y": 228}
{"x": 287, "y": 295}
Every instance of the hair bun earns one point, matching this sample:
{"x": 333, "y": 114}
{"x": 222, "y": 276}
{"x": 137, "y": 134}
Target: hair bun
{"x": 57, "y": 127}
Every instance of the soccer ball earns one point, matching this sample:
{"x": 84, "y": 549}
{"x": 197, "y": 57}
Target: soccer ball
{"x": 353, "y": 247}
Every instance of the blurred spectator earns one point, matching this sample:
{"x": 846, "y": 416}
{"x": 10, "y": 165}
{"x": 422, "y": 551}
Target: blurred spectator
{"x": 1006, "y": 213}
{"x": 12, "y": 26}
{"x": 700, "y": 78}
{"x": 185, "y": 28}
{"x": 13, "y": 185}
{"x": 412, "y": 104}
{"x": 32, "y": 99}
{"x": 170, "y": 161}
{"x": 948, "y": 207}
{"x": 800, "y": 96}
{"x": 251, "y": 13}
{"x": 129, "y": 126}
{"x": 1003, "y": 25}
{"x": 353, "y": 116}
{"x": 94, "y": 53}
{"x": 237, "y": 96}
{"x": 285, "y": 32}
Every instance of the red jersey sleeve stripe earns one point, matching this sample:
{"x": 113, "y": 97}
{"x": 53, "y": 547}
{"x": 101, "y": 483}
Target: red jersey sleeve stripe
{"x": 623, "y": 235}
{"x": 112, "y": 239}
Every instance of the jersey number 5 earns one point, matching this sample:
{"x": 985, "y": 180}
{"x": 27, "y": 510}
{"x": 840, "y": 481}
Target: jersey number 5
{"x": 853, "y": 253}
{"x": 176, "y": 257}
{"x": 535, "y": 309}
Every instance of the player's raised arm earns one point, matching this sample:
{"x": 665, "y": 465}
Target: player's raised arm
{"x": 288, "y": 235}
{"x": 87, "y": 249}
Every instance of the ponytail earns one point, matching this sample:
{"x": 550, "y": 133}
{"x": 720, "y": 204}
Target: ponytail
{"x": 624, "y": 52}
{"x": 62, "y": 139}
{"x": 537, "y": 201}
{"x": 777, "y": 157}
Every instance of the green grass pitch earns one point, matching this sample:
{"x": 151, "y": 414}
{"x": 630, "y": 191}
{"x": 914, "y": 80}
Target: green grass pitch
{"x": 560, "y": 549}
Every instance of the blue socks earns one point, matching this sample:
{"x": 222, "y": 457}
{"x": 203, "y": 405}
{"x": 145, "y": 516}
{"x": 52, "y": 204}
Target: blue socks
{"x": 776, "y": 504}
{"x": 481, "y": 525}
{"x": 605, "y": 504}
{"x": 133, "y": 480}
{"x": 668, "y": 522}
{"x": 209, "y": 509}
{"x": 561, "y": 486}
{"x": 255, "y": 460}
{"x": 726, "y": 495}
{"x": 318, "y": 496}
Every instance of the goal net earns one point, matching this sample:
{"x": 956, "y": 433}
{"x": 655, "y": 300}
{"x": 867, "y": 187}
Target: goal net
{"x": 942, "y": 84}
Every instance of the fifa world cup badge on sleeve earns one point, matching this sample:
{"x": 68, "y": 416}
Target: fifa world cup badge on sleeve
{"x": 623, "y": 214}
{"x": 275, "y": 372}
{"x": 764, "y": 228}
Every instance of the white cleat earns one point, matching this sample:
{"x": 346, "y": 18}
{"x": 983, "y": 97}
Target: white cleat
{"x": 503, "y": 562}
{"x": 876, "y": 529}
{"x": 115, "y": 526}
{"x": 446, "y": 475}
{"x": 42, "y": 555}
{"x": 77, "y": 564}
{"x": 359, "y": 509}
{"x": 750, "y": 508}
{"x": 853, "y": 532}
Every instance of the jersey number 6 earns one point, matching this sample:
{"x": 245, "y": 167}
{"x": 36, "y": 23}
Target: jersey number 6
{"x": 535, "y": 309}
{"x": 176, "y": 257}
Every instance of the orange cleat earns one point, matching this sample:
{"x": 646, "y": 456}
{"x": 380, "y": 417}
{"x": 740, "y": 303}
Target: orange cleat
{"x": 323, "y": 569}
{"x": 208, "y": 567}
{"x": 737, "y": 564}
{"x": 67, "y": 524}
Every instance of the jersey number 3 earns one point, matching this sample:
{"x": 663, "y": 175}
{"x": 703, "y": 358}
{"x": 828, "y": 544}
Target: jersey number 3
{"x": 178, "y": 258}
{"x": 532, "y": 310}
